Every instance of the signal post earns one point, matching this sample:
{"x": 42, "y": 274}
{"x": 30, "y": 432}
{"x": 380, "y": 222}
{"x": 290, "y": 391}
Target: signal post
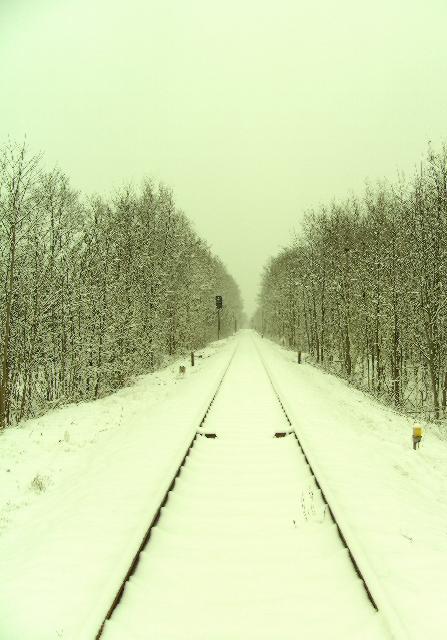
{"x": 219, "y": 305}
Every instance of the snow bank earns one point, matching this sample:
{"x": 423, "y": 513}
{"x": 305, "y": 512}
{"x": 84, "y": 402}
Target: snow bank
{"x": 79, "y": 488}
{"x": 393, "y": 498}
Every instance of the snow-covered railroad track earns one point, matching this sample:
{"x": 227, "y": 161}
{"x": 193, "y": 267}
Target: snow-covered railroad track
{"x": 245, "y": 547}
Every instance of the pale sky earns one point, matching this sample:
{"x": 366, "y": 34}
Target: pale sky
{"x": 252, "y": 110}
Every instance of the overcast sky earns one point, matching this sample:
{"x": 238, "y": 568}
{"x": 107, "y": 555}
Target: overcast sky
{"x": 252, "y": 110}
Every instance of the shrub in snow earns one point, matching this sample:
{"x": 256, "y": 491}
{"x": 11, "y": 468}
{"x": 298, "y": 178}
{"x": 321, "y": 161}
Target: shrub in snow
{"x": 39, "y": 483}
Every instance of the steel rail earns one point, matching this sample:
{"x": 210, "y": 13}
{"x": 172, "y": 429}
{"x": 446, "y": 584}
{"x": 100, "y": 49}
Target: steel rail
{"x": 375, "y": 595}
{"x": 325, "y": 500}
{"x": 134, "y": 564}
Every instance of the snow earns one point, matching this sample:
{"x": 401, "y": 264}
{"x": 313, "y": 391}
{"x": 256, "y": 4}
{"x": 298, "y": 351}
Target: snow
{"x": 80, "y": 485}
{"x": 393, "y": 498}
{"x": 64, "y": 550}
{"x": 244, "y": 548}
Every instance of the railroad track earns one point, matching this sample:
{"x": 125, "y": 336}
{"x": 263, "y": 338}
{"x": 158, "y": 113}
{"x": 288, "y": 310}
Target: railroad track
{"x": 245, "y": 544}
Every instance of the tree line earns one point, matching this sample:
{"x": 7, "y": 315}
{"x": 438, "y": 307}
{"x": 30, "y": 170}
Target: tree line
{"x": 95, "y": 290}
{"x": 363, "y": 289}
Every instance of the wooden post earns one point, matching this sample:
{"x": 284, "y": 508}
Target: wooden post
{"x": 444, "y": 393}
{"x": 192, "y": 358}
{"x": 299, "y": 357}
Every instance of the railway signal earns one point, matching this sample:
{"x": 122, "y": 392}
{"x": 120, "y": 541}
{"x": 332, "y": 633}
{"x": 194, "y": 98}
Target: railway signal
{"x": 219, "y": 305}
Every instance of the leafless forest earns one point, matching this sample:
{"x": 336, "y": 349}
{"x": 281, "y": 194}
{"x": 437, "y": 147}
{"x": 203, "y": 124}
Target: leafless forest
{"x": 364, "y": 289}
{"x": 93, "y": 290}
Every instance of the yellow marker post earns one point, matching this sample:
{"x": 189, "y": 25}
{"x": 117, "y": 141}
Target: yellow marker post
{"x": 417, "y": 435}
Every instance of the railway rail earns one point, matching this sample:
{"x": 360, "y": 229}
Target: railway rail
{"x": 245, "y": 543}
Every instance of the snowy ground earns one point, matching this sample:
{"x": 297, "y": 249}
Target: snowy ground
{"x": 244, "y": 547}
{"x": 78, "y": 487}
{"x": 393, "y": 498}
{"x": 77, "y": 491}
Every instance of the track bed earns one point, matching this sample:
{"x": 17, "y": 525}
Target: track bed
{"x": 244, "y": 548}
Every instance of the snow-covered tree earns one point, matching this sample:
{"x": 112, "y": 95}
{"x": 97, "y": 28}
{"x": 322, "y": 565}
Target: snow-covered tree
{"x": 96, "y": 291}
{"x": 364, "y": 286}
